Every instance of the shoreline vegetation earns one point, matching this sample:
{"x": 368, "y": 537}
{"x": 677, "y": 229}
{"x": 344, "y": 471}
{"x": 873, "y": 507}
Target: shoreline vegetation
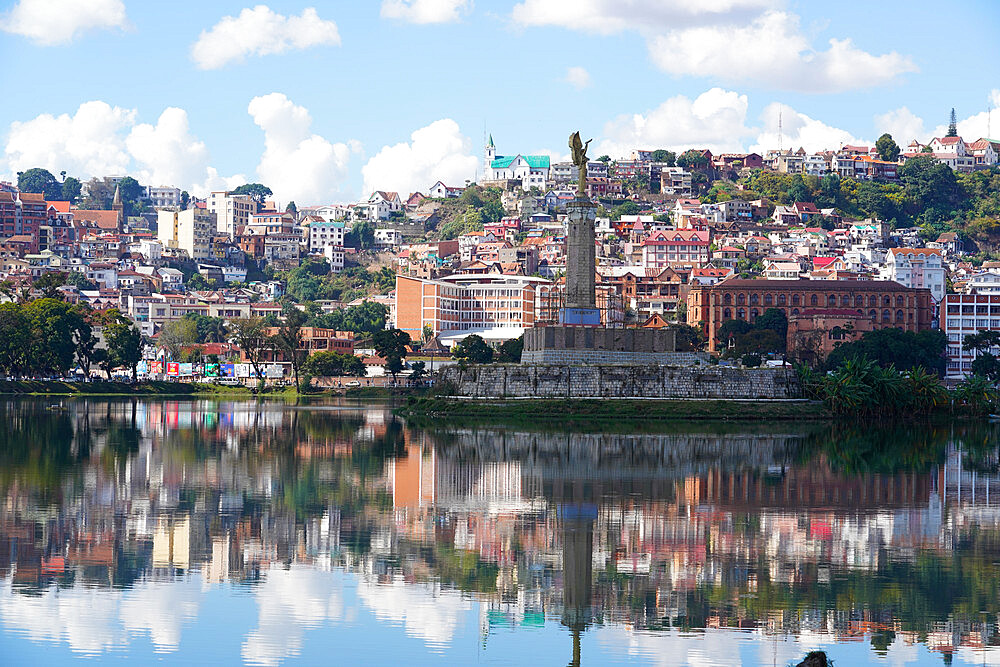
{"x": 555, "y": 409}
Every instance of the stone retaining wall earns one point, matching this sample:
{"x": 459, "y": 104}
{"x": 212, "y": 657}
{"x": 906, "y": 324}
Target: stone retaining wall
{"x": 636, "y": 381}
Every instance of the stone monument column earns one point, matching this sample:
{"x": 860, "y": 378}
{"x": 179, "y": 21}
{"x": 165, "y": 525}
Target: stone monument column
{"x": 581, "y": 301}
{"x": 580, "y": 253}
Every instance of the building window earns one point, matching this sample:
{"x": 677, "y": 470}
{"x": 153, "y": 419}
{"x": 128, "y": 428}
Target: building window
{"x": 814, "y": 300}
{"x": 885, "y": 316}
{"x": 781, "y": 299}
{"x": 768, "y": 300}
{"x": 795, "y": 299}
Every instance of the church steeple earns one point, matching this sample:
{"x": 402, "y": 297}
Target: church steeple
{"x": 116, "y": 203}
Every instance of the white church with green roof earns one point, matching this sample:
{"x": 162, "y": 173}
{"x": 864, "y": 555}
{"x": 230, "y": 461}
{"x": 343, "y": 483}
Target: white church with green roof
{"x": 531, "y": 170}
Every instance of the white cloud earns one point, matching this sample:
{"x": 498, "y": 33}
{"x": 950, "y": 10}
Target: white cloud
{"x": 261, "y": 31}
{"x": 50, "y": 22}
{"x": 716, "y": 120}
{"x": 902, "y": 124}
{"x": 436, "y": 152}
{"x": 169, "y": 155}
{"x": 773, "y": 50}
{"x": 613, "y": 16}
{"x": 728, "y": 40}
{"x": 88, "y": 142}
{"x": 291, "y": 601}
{"x": 425, "y": 611}
{"x": 578, "y": 77}
{"x": 798, "y": 129}
{"x": 296, "y": 164}
{"x": 425, "y": 11}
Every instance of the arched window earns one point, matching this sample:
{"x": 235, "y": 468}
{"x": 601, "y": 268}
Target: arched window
{"x": 899, "y": 300}
{"x": 727, "y": 313}
{"x": 727, "y": 299}
{"x": 873, "y": 314}
{"x": 754, "y": 299}
{"x": 781, "y": 299}
{"x": 899, "y": 316}
{"x": 873, "y": 300}
{"x": 795, "y": 311}
{"x": 768, "y": 300}
{"x": 859, "y": 301}
{"x": 741, "y": 299}
{"x": 831, "y": 300}
{"x": 741, "y": 314}
{"x": 887, "y": 300}
{"x": 886, "y": 316}
{"x": 814, "y": 300}
{"x": 836, "y": 333}
{"x": 845, "y": 300}
{"x": 795, "y": 299}
{"x": 754, "y": 314}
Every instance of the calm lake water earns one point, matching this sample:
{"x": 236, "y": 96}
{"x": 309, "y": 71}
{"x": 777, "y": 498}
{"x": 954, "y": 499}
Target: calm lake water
{"x": 219, "y": 532}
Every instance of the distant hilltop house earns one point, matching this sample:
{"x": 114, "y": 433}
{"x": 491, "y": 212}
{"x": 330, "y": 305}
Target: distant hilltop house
{"x": 531, "y": 170}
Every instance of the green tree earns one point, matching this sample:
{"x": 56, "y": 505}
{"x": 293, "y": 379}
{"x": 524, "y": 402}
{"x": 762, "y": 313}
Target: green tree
{"x": 952, "y": 125}
{"x": 209, "y": 329}
{"x": 49, "y": 283}
{"x": 15, "y": 340}
{"x": 887, "y": 148}
{"x": 131, "y": 193}
{"x": 604, "y": 158}
{"x": 123, "y": 340}
{"x": 391, "y": 345}
{"x": 185, "y": 199}
{"x": 176, "y": 335}
{"x": 57, "y": 331}
{"x": 362, "y": 235}
{"x": 292, "y": 208}
{"x": 257, "y": 192}
{"x": 289, "y": 341}
{"x": 510, "y": 350}
{"x": 473, "y": 349}
{"x": 663, "y": 155}
{"x": 70, "y": 190}
{"x": 40, "y": 181}
{"x": 250, "y": 335}
{"x": 899, "y": 349}
{"x": 325, "y": 363}
{"x": 692, "y": 159}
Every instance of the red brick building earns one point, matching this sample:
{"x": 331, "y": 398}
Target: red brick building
{"x": 886, "y": 304}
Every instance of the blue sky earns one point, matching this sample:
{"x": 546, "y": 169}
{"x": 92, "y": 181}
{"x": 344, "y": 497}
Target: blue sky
{"x": 397, "y": 94}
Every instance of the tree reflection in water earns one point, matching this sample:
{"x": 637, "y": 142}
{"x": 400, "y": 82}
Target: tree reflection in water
{"x": 887, "y": 531}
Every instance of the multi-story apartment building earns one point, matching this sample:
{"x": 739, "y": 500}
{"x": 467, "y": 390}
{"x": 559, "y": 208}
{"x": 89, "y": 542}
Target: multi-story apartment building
{"x": 676, "y": 248}
{"x": 886, "y": 304}
{"x": 916, "y": 267}
{"x": 961, "y": 315}
{"x": 163, "y": 196}
{"x": 325, "y": 234}
{"x": 190, "y": 231}
{"x": 496, "y": 307}
{"x": 675, "y": 181}
{"x": 231, "y": 211}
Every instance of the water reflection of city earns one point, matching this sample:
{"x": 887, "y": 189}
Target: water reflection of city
{"x": 889, "y": 535}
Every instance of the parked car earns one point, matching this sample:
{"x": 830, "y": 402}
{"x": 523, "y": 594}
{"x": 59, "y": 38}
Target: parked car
{"x": 353, "y": 383}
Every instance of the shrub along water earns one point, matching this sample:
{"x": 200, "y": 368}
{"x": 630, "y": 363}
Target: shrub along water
{"x": 860, "y": 387}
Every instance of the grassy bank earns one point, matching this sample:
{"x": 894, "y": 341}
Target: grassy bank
{"x": 58, "y": 388}
{"x": 543, "y": 409}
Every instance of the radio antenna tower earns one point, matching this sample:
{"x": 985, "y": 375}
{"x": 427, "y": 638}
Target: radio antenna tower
{"x": 779, "y": 128}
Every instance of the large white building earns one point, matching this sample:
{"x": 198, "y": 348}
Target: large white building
{"x": 325, "y": 234}
{"x": 531, "y": 170}
{"x": 231, "y": 211}
{"x": 190, "y": 231}
{"x": 917, "y": 268}
{"x": 961, "y": 315}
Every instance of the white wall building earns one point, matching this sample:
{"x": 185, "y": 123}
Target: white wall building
{"x": 531, "y": 170}
{"x": 917, "y": 268}
{"x": 190, "y": 231}
{"x": 231, "y": 211}
{"x": 325, "y": 234}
